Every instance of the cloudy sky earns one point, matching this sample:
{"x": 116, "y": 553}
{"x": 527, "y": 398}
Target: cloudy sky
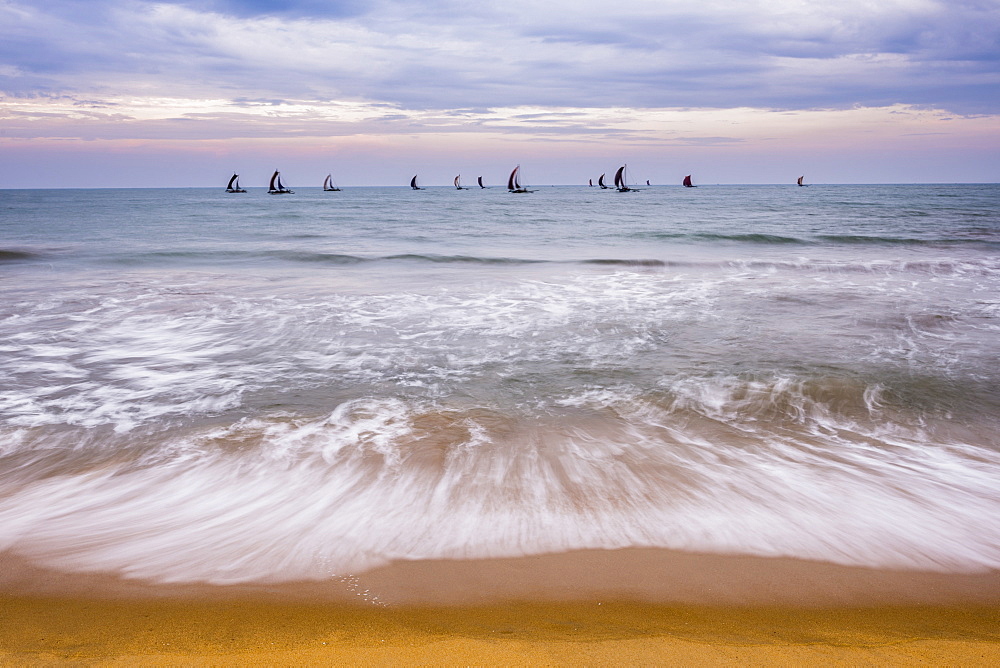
{"x": 132, "y": 93}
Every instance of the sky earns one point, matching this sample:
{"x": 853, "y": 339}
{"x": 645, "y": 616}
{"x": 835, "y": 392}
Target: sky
{"x": 128, "y": 93}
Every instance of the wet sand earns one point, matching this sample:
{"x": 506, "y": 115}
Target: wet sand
{"x": 592, "y": 607}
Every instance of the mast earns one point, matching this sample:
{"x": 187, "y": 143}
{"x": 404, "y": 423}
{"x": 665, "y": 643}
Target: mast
{"x": 621, "y": 180}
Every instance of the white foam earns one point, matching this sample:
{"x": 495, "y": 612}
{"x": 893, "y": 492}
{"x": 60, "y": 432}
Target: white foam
{"x": 366, "y": 484}
{"x": 261, "y": 439}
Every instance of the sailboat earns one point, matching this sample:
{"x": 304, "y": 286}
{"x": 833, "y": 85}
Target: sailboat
{"x": 620, "y": 181}
{"x": 600, "y": 182}
{"x": 514, "y": 182}
{"x": 647, "y": 182}
{"x": 413, "y": 183}
{"x": 328, "y": 185}
{"x": 590, "y": 182}
{"x": 687, "y": 182}
{"x": 458, "y": 185}
{"x": 799, "y": 181}
{"x": 276, "y": 187}
{"x": 480, "y": 181}
{"x": 234, "y": 185}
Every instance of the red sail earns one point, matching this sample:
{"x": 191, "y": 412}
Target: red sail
{"x": 687, "y": 181}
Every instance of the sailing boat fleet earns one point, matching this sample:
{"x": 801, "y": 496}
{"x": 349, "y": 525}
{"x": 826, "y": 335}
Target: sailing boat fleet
{"x": 276, "y": 187}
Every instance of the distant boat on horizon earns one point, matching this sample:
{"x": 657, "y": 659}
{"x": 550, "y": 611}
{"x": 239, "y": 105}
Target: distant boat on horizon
{"x": 458, "y": 185}
{"x": 600, "y": 182}
{"x": 276, "y": 187}
{"x": 514, "y": 182}
{"x": 413, "y": 183}
{"x": 687, "y": 182}
{"x": 328, "y": 185}
{"x": 799, "y": 181}
{"x": 620, "y": 181}
{"x": 234, "y": 185}
{"x": 590, "y": 182}
{"x": 647, "y": 182}
{"x": 480, "y": 182}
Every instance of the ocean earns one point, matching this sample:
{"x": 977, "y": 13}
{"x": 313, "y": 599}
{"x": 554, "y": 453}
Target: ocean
{"x": 218, "y": 389}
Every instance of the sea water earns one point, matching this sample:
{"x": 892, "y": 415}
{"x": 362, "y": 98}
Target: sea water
{"x": 226, "y": 388}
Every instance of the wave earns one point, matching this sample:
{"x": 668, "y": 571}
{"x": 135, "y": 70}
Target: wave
{"x": 766, "y": 466}
{"x": 627, "y": 263}
{"x": 939, "y": 267}
{"x": 458, "y": 259}
{"x": 753, "y": 238}
{"x": 7, "y": 255}
{"x": 289, "y": 255}
{"x": 845, "y": 239}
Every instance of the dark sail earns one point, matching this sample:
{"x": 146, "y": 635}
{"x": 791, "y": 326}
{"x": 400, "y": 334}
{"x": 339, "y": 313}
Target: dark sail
{"x": 514, "y": 182}
{"x": 276, "y": 188}
{"x": 234, "y": 185}
{"x": 621, "y": 180}
{"x": 413, "y": 182}
{"x": 480, "y": 180}
{"x": 600, "y": 182}
{"x": 687, "y": 182}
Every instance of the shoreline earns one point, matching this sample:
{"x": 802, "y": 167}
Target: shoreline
{"x": 639, "y": 606}
{"x": 640, "y": 575}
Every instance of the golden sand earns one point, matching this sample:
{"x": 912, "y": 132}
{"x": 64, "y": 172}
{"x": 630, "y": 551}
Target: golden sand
{"x": 40, "y": 631}
{"x": 619, "y": 607}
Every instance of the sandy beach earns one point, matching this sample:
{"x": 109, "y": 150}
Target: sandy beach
{"x": 517, "y": 612}
{"x": 57, "y": 631}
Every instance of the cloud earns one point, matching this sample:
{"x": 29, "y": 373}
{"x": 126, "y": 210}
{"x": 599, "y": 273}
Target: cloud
{"x": 661, "y": 76}
{"x": 775, "y": 54}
